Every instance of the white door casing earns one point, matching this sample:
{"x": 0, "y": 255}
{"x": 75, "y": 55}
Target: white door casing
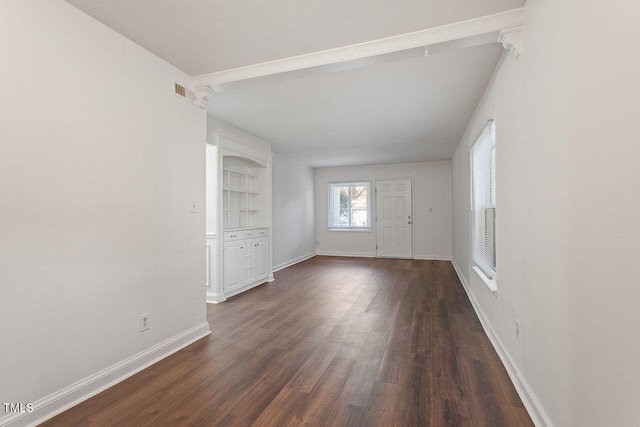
{"x": 394, "y": 218}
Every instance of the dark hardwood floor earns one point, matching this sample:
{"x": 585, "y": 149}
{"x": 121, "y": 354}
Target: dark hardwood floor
{"x": 334, "y": 342}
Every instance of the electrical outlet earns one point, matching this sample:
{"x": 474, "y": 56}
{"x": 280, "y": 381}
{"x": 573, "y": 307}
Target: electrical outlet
{"x": 144, "y": 322}
{"x": 518, "y": 329}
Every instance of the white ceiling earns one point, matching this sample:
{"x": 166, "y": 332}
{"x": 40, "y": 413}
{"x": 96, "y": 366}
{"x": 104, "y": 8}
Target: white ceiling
{"x": 389, "y": 109}
{"x": 394, "y": 112}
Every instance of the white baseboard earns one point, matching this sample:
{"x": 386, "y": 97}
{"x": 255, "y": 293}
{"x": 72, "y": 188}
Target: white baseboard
{"x": 293, "y": 261}
{"x": 529, "y": 400}
{"x": 432, "y": 257}
{"x": 247, "y": 287}
{"x": 52, "y": 405}
{"x": 370, "y": 255}
{"x": 213, "y": 298}
{"x": 347, "y": 254}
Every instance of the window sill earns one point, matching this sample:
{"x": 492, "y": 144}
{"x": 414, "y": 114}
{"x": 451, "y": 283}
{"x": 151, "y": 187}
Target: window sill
{"x": 491, "y": 283}
{"x": 350, "y": 229}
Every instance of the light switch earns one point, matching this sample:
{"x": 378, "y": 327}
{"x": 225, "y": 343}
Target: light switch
{"x": 194, "y": 207}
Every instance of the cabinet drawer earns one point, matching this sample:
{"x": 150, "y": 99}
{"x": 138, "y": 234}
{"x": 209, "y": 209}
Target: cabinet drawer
{"x": 256, "y": 232}
{"x": 249, "y": 234}
{"x": 233, "y": 235}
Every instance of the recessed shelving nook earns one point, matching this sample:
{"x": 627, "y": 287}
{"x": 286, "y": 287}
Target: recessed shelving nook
{"x": 244, "y": 215}
{"x": 243, "y": 193}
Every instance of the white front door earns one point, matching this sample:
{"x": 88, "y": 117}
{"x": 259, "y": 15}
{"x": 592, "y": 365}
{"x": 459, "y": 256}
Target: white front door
{"x": 394, "y": 220}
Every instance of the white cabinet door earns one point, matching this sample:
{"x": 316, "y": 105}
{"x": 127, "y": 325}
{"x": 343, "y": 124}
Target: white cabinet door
{"x": 260, "y": 249}
{"x": 233, "y": 277}
{"x": 248, "y": 262}
{"x": 246, "y": 258}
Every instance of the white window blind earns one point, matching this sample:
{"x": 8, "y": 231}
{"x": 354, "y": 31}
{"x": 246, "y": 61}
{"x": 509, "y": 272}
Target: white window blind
{"x": 484, "y": 200}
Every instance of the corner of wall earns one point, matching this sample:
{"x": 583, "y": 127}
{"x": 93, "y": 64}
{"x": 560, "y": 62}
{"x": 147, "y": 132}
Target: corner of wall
{"x": 58, "y": 402}
{"x": 531, "y": 403}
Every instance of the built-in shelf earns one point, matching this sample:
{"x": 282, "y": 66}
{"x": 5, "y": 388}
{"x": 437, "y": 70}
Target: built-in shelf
{"x": 242, "y": 187}
{"x": 236, "y": 198}
{"x": 244, "y": 215}
{"x": 250, "y": 193}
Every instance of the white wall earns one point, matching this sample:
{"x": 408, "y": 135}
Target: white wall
{"x": 567, "y": 220}
{"x": 431, "y": 189}
{"x": 99, "y": 163}
{"x": 293, "y": 212}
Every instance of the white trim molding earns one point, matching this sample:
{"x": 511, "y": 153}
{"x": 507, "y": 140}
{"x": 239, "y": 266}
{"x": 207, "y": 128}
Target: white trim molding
{"x": 347, "y": 254}
{"x": 293, "y": 261}
{"x": 432, "y": 257}
{"x": 58, "y": 402}
{"x": 208, "y": 264}
{"x": 211, "y": 278}
{"x": 203, "y": 95}
{"x": 511, "y": 39}
{"x": 418, "y": 39}
{"x": 214, "y": 298}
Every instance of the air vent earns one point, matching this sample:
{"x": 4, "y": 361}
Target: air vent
{"x": 184, "y": 93}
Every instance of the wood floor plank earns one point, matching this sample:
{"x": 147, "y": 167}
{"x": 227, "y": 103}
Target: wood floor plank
{"x": 332, "y": 341}
{"x": 352, "y": 344}
{"x": 325, "y": 393}
{"x": 262, "y": 393}
{"x": 346, "y": 415}
{"x": 357, "y": 389}
{"x": 287, "y": 406}
{"x": 308, "y": 375}
{"x": 421, "y": 336}
{"x": 450, "y": 413}
{"x": 384, "y": 408}
{"x": 461, "y": 336}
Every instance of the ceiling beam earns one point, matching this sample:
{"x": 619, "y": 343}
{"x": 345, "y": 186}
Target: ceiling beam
{"x": 469, "y": 29}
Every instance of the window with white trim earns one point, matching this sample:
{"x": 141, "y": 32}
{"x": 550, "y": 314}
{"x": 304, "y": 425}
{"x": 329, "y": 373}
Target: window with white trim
{"x": 483, "y": 181}
{"x": 349, "y": 206}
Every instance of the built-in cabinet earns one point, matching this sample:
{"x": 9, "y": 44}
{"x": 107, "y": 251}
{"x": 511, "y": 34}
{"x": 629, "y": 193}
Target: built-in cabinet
{"x": 244, "y": 216}
{"x": 246, "y": 257}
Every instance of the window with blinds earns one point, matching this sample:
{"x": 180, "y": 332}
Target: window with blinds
{"x": 483, "y": 179}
